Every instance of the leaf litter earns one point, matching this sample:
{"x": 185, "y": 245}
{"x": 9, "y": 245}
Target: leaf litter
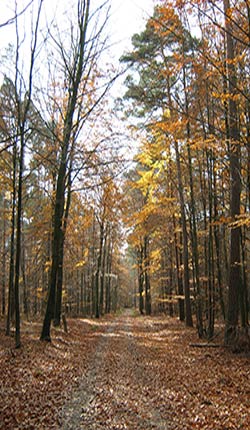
{"x": 122, "y": 372}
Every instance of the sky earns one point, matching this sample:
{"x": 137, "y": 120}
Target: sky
{"x": 129, "y": 17}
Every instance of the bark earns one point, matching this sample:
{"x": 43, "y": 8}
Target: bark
{"x": 188, "y": 310}
{"x": 11, "y": 305}
{"x": 102, "y": 269}
{"x": 75, "y": 80}
{"x": 18, "y": 241}
{"x": 98, "y": 272}
{"x": 59, "y": 280}
{"x": 179, "y": 276}
{"x": 140, "y": 278}
{"x": 194, "y": 239}
{"x": 3, "y": 304}
{"x": 108, "y": 270}
{"x": 234, "y": 274}
{"x": 147, "y": 276}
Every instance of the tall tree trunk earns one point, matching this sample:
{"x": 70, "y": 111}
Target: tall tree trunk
{"x": 68, "y": 137}
{"x": 235, "y": 187}
{"x": 188, "y": 310}
{"x": 108, "y": 270}
{"x": 147, "y": 276}
{"x": 59, "y": 280}
{"x": 98, "y": 272}
{"x": 194, "y": 240}
{"x": 210, "y": 255}
{"x": 3, "y": 303}
{"x": 218, "y": 253}
{"x": 140, "y": 278}
{"x": 102, "y": 278}
{"x": 179, "y": 276}
{"x": 56, "y": 243}
{"x": 11, "y": 305}
{"x": 24, "y": 283}
{"x": 18, "y": 238}
{"x": 244, "y": 301}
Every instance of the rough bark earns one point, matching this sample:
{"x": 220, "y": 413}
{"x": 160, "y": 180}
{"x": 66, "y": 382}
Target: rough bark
{"x": 234, "y": 274}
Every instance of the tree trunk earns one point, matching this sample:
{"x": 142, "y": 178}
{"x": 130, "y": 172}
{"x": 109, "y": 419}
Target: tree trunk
{"x": 98, "y": 272}
{"x": 11, "y": 304}
{"x": 147, "y": 276}
{"x": 179, "y": 276}
{"x": 59, "y": 281}
{"x": 140, "y": 278}
{"x": 188, "y": 311}
{"x": 235, "y": 187}
{"x": 3, "y": 304}
{"x": 194, "y": 240}
{"x": 57, "y": 242}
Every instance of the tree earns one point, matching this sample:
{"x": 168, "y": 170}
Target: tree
{"x": 187, "y": 89}
{"x": 235, "y": 180}
{"x": 21, "y": 93}
{"x": 83, "y": 56}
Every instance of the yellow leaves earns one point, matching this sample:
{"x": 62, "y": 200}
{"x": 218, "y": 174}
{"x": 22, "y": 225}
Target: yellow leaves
{"x": 211, "y": 143}
{"x": 83, "y": 261}
{"x": 225, "y": 97}
{"x": 146, "y": 178}
{"x": 241, "y": 221}
{"x": 144, "y": 158}
{"x": 47, "y": 266}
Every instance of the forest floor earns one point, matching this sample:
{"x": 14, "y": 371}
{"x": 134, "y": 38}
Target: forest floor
{"x": 121, "y": 372}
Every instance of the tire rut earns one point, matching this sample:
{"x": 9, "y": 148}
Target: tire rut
{"x": 115, "y": 393}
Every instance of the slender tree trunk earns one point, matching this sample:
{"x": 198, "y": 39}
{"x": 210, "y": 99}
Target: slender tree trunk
{"x": 18, "y": 239}
{"x": 147, "y": 276}
{"x": 3, "y": 304}
{"x": 194, "y": 240}
{"x": 188, "y": 311}
{"x": 244, "y": 301}
{"x": 62, "y": 233}
{"x": 188, "y": 308}
{"x": 218, "y": 248}
{"x": 140, "y": 278}
{"x": 102, "y": 271}
{"x": 25, "y": 287}
{"x": 179, "y": 276}
{"x": 56, "y": 243}
{"x": 108, "y": 270}
{"x": 68, "y": 135}
{"x": 11, "y": 304}
{"x": 98, "y": 272}
{"x": 234, "y": 275}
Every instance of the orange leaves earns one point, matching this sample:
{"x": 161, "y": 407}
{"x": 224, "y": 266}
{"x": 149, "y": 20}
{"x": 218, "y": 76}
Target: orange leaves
{"x": 128, "y": 372}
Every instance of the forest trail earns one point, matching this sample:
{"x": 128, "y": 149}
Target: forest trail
{"x": 124, "y": 372}
{"x": 116, "y": 392}
{"x": 144, "y": 375}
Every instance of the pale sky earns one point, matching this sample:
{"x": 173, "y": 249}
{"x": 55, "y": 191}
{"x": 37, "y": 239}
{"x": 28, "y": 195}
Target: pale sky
{"x": 127, "y": 16}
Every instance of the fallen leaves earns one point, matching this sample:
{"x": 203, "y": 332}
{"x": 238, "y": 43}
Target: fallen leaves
{"x": 38, "y": 379}
{"x": 123, "y": 373}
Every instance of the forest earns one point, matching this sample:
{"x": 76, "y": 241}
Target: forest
{"x": 138, "y": 200}
{"x": 70, "y": 200}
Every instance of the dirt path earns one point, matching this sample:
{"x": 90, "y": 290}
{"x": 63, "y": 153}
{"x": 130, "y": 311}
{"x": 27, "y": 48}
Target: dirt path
{"x": 115, "y": 393}
{"x": 145, "y": 376}
{"x": 121, "y": 372}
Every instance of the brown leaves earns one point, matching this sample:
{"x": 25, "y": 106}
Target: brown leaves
{"x": 123, "y": 373}
{"x": 37, "y": 379}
